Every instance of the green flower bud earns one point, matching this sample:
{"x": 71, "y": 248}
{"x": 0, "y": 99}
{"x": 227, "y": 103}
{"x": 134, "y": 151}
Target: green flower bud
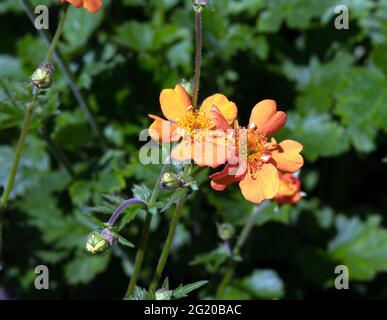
{"x": 226, "y": 231}
{"x": 200, "y": 4}
{"x": 97, "y": 243}
{"x": 170, "y": 181}
{"x": 163, "y": 294}
{"x": 42, "y": 78}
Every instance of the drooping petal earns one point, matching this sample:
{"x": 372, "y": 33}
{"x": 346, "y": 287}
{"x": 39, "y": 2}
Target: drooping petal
{"x": 162, "y": 130}
{"x": 92, "y": 6}
{"x": 228, "y": 108}
{"x": 222, "y": 179}
{"x": 174, "y": 102}
{"x": 287, "y": 157}
{"x": 266, "y": 117}
{"x": 263, "y": 185}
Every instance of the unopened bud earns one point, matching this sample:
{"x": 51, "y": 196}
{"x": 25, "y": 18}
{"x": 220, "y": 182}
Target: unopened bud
{"x": 170, "y": 181}
{"x": 226, "y": 231}
{"x": 200, "y": 4}
{"x": 97, "y": 243}
{"x": 163, "y": 294}
{"x": 42, "y": 78}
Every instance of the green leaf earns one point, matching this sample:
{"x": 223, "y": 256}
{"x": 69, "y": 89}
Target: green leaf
{"x": 142, "y": 192}
{"x": 264, "y": 284}
{"x": 95, "y": 220}
{"x": 361, "y": 246}
{"x": 183, "y": 291}
{"x": 122, "y": 240}
{"x": 79, "y": 27}
{"x": 84, "y": 268}
{"x": 320, "y": 135}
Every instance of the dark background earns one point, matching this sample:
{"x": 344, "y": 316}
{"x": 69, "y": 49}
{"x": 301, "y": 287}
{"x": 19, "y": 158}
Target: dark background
{"x": 332, "y": 84}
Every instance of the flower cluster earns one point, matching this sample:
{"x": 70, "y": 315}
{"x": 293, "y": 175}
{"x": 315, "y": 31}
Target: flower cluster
{"x": 211, "y": 136}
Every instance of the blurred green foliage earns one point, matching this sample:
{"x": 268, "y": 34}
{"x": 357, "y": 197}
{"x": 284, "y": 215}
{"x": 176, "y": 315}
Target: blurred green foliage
{"x": 332, "y": 84}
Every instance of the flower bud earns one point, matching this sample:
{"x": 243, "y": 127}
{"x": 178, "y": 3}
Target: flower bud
{"x": 170, "y": 181}
{"x": 226, "y": 231}
{"x": 200, "y": 4}
{"x": 42, "y": 78}
{"x": 97, "y": 243}
{"x": 163, "y": 294}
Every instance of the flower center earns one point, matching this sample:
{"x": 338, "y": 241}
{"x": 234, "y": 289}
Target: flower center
{"x": 257, "y": 150}
{"x": 194, "y": 121}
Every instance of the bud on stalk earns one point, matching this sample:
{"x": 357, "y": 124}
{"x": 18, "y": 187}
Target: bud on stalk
{"x": 42, "y": 78}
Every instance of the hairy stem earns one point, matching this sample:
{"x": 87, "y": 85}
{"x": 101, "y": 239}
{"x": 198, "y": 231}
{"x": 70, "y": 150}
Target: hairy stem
{"x": 120, "y": 209}
{"x": 57, "y": 35}
{"x": 168, "y": 243}
{"x": 198, "y": 56}
{"x": 15, "y": 164}
{"x": 250, "y": 222}
{"x": 144, "y": 236}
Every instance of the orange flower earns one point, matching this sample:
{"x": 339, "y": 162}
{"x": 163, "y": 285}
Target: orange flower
{"x": 254, "y": 161}
{"x": 289, "y": 189}
{"x": 92, "y": 6}
{"x": 201, "y": 132}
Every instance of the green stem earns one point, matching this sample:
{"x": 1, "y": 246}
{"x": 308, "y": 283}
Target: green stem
{"x": 57, "y": 35}
{"x": 198, "y": 56}
{"x": 24, "y": 133}
{"x": 12, "y": 175}
{"x": 19, "y": 149}
{"x": 168, "y": 243}
{"x": 250, "y": 222}
{"x": 144, "y": 236}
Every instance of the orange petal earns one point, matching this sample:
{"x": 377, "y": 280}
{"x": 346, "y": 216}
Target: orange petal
{"x": 210, "y": 151}
{"x": 228, "y": 108}
{"x": 221, "y": 179}
{"x": 162, "y": 130}
{"x": 288, "y": 157}
{"x": 218, "y": 187}
{"x": 174, "y": 102}
{"x": 92, "y": 6}
{"x": 183, "y": 151}
{"x": 266, "y": 117}
{"x": 75, "y": 3}
{"x": 219, "y": 120}
{"x": 263, "y": 186}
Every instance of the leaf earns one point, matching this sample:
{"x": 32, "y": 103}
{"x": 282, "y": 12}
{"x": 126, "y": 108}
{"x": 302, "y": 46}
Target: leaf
{"x": 10, "y": 67}
{"x": 79, "y": 27}
{"x": 361, "y": 246}
{"x": 264, "y": 284}
{"x": 183, "y": 291}
{"x": 95, "y": 220}
{"x": 142, "y": 192}
{"x": 320, "y": 135}
{"x": 84, "y": 268}
{"x": 122, "y": 240}
{"x": 212, "y": 260}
